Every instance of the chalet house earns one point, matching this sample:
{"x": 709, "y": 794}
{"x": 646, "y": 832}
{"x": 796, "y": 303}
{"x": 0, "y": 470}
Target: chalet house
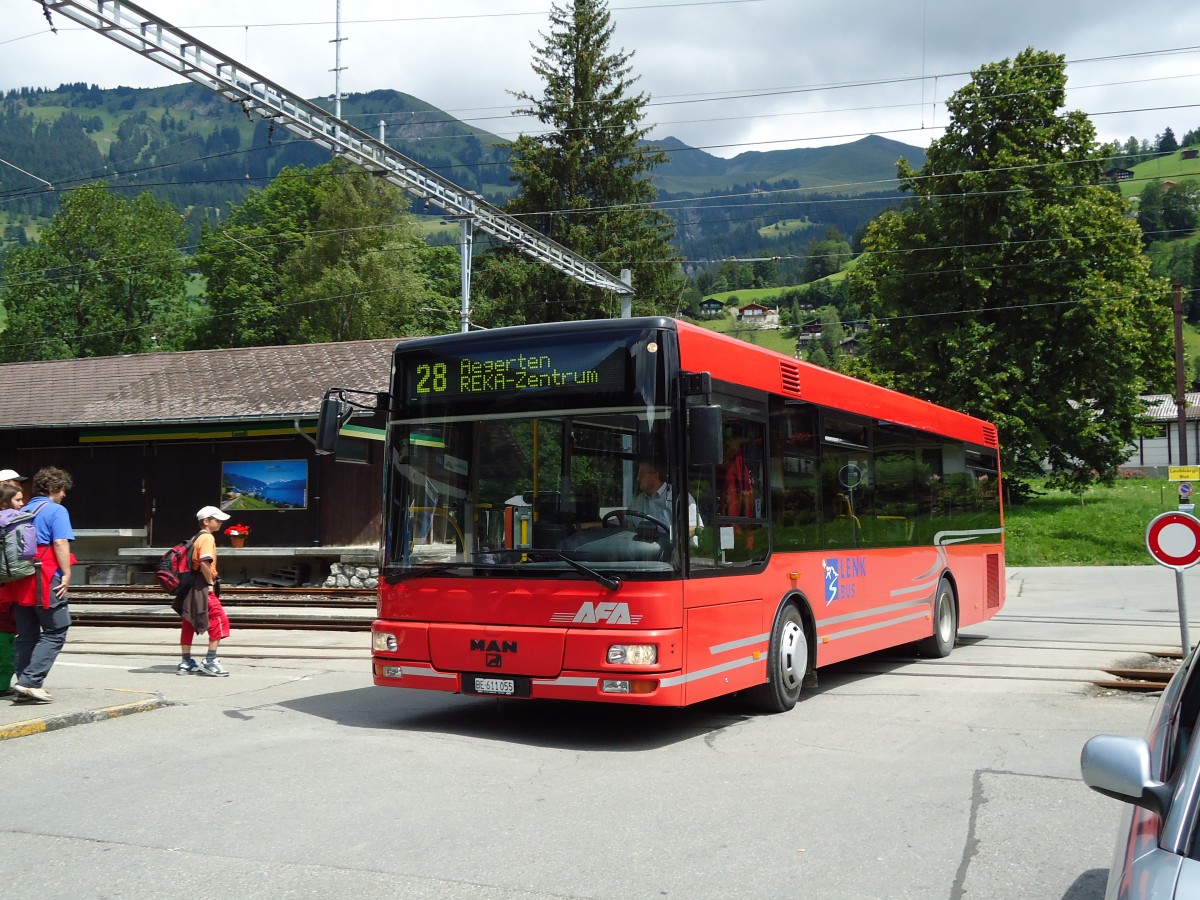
{"x": 809, "y": 332}
{"x": 758, "y": 315}
{"x": 1117, "y": 174}
{"x": 711, "y": 308}
{"x": 151, "y": 438}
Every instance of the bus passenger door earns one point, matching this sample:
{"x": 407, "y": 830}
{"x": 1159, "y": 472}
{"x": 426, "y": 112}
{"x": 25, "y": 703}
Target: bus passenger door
{"x": 724, "y": 603}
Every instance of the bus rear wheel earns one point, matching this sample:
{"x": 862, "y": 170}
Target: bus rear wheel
{"x": 945, "y": 623}
{"x": 787, "y": 663}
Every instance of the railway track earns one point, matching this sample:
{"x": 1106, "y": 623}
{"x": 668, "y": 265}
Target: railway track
{"x": 344, "y": 610}
{"x": 247, "y": 607}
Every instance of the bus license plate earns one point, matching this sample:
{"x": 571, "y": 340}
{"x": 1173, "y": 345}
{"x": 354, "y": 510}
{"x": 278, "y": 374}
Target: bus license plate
{"x": 496, "y": 686}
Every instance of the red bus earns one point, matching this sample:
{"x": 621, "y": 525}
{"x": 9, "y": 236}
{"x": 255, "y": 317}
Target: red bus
{"x": 645, "y": 511}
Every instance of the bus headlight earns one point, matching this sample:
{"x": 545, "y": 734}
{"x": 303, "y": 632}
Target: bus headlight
{"x": 383, "y": 640}
{"x": 633, "y": 655}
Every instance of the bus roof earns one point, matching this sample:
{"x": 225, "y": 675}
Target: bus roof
{"x": 735, "y": 361}
{"x": 729, "y": 359}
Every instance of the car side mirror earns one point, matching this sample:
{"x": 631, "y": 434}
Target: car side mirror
{"x": 1119, "y": 767}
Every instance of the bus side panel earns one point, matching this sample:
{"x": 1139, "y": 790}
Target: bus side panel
{"x": 979, "y": 575}
{"x": 726, "y": 646}
{"x": 871, "y": 600}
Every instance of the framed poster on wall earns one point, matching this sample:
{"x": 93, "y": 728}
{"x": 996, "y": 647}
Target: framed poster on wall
{"x": 264, "y": 484}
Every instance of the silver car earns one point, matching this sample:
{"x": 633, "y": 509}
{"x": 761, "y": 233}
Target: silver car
{"x": 1158, "y": 846}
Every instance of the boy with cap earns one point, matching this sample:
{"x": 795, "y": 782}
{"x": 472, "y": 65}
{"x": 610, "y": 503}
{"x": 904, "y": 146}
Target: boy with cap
{"x": 204, "y": 564}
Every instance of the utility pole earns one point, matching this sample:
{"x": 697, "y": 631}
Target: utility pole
{"x": 338, "y": 68}
{"x": 1180, "y": 395}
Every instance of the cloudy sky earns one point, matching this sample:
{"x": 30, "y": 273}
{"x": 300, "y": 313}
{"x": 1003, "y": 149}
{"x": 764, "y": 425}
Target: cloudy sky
{"x": 725, "y": 75}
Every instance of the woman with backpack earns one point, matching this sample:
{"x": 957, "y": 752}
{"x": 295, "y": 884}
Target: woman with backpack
{"x": 11, "y": 497}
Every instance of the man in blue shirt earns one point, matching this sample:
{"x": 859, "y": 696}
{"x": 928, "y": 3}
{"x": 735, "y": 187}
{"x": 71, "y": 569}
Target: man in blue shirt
{"x": 655, "y": 499}
{"x": 41, "y": 604}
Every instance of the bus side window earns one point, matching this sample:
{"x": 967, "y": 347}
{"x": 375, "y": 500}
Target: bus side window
{"x": 742, "y": 532}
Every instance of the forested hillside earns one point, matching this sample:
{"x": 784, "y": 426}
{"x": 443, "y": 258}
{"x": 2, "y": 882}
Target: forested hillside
{"x": 202, "y": 153}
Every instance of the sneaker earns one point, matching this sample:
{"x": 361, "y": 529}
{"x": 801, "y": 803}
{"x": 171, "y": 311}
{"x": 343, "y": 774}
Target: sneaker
{"x": 32, "y": 694}
{"x": 187, "y": 667}
{"x": 212, "y": 667}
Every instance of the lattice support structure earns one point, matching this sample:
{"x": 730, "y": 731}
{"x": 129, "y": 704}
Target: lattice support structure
{"x": 147, "y": 35}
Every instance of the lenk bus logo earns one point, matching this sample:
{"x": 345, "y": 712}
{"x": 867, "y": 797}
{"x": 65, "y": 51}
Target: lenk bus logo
{"x": 840, "y": 575}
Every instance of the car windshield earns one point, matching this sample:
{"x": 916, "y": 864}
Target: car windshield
{"x": 570, "y": 495}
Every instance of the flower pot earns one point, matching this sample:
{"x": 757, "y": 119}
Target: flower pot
{"x": 237, "y": 540}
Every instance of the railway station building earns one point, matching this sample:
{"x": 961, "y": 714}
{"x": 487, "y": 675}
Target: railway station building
{"x": 149, "y": 439}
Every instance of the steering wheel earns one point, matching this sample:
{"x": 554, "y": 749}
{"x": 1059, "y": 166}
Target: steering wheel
{"x": 621, "y": 517}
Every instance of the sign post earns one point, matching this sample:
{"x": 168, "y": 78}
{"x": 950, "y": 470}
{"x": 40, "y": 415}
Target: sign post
{"x": 1173, "y": 540}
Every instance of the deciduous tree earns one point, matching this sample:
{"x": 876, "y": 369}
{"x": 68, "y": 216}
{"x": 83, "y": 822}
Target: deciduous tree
{"x": 325, "y": 254}
{"x": 105, "y": 278}
{"x": 1013, "y": 289}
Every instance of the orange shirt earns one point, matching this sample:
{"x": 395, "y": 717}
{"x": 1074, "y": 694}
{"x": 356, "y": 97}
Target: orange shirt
{"x": 205, "y": 547}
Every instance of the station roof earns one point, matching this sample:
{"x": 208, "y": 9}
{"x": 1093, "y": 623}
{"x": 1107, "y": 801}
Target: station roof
{"x": 243, "y": 384}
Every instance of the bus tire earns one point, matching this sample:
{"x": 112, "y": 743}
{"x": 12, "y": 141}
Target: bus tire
{"x": 945, "y": 623}
{"x": 787, "y": 663}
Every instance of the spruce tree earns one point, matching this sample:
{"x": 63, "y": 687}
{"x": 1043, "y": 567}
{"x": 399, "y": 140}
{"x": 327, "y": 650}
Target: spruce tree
{"x": 585, "y": 181}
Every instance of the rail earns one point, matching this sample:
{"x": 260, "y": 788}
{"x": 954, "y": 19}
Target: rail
{"x": 282, "y": 609}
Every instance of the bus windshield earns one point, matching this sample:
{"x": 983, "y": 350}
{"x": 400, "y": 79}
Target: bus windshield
{"x": 533, "y": 495}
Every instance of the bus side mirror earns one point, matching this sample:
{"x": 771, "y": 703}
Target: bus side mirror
{"x": 329, "y": 423}
{"x": 704, "y": 436}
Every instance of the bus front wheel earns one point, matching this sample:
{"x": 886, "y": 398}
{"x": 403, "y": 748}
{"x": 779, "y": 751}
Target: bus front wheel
{"x": 945, "y": 623}
{"x": 787, "y": 663}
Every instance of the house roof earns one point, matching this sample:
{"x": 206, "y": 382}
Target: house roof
{"x": 1162, "y": 407}
{"x": 243, "y": 384}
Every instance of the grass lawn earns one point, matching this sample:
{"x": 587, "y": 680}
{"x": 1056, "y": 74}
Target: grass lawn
{"x": 1104, "y": 527}
{"x": 770, "y": 339}
{"x": 784, "y": 228}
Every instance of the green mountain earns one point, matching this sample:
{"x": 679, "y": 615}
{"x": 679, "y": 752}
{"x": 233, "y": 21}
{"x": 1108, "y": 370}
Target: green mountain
{"x": 202, "y": 153}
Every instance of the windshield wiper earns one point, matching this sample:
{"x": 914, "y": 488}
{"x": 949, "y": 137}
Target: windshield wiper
{"x": 612, "y": 582}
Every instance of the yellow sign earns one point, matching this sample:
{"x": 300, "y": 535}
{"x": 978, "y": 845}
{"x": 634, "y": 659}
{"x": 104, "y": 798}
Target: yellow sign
{"x": 1184, "y": 473}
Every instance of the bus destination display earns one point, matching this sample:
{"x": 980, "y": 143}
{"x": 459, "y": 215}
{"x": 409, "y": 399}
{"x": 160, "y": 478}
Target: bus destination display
{"x": 598, "y": 369}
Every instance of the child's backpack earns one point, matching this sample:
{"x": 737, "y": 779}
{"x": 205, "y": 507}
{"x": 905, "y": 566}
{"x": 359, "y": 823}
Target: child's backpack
{"x": 174, "y": 571}
{"x": 18, "y": 543}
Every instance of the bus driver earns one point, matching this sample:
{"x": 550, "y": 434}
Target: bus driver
{"x": 655, "y": 499}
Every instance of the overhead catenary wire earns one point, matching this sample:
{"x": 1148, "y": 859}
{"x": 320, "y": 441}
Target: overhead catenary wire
{"x": 699, "y": 205}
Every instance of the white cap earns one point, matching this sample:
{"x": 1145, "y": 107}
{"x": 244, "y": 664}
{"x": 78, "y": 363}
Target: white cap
{"x": 211, "y": 512}
{"x": 11, "y": 475}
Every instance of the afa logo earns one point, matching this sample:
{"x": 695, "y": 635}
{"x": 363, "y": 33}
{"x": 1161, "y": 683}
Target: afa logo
{"x": 596, "y": 613}
{"x": 841, "y": 573}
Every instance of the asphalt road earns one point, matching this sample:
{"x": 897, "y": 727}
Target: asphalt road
{"x": 294, "y": 777}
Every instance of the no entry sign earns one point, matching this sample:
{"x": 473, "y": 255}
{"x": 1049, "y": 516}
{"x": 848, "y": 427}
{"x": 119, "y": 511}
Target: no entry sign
{"x": 1173, "y": 540}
